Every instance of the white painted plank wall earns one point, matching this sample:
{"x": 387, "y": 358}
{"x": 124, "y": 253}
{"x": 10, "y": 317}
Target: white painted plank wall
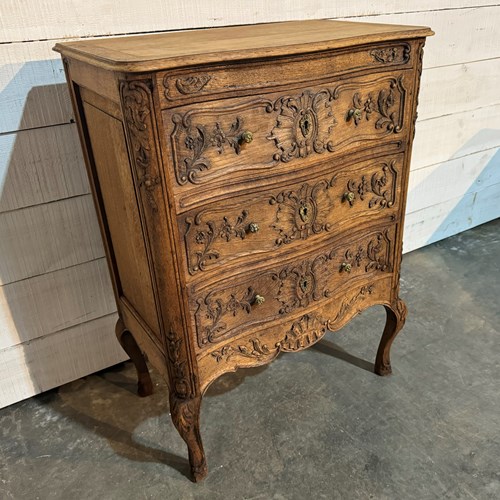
{"x": 56, "y": 304}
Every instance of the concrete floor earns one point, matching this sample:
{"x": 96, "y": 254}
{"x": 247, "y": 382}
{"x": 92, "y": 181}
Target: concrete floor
{"x": 317, "y": 424}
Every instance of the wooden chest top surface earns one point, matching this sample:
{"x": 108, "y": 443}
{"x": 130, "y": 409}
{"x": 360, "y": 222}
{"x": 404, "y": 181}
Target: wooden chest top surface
{"x": 190, "y": 47}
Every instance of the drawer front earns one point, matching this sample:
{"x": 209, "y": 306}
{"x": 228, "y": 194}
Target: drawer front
{"x": 230, "y": 307}
{"x": 221, "y": 144}
{"x": 281, "y": 217}
{"x": 223, "y": 80}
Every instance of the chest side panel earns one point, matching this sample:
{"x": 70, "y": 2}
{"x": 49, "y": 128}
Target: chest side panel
{"x": 112, "y": 168}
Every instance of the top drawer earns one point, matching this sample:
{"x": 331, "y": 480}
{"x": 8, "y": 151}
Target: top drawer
{"x": 196, "y": 84}
{"x": 218, "y": 147}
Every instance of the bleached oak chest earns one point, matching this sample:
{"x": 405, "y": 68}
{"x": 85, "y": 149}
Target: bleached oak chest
{"x": 250, "y": 184}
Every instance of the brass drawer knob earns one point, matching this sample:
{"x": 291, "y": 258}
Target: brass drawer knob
{"x": 354, "y": 113}
{"x": 246, "y": 137}
{"x": 346, "y": 267}
{"x": 348, "y": 196}
{"x": 253, "y": 227}
{"x": 259, "y": 299}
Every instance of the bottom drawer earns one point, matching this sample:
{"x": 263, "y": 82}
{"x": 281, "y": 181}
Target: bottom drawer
{"x": 230, "y": 307}
{"x": 294, "y": 333}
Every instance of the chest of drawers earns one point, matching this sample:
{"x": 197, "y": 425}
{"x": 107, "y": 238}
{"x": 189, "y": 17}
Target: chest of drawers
{"x": 250, "y": 184}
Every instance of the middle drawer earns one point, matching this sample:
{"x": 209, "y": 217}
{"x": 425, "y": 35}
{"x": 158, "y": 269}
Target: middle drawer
{"x": 278, "y": 217}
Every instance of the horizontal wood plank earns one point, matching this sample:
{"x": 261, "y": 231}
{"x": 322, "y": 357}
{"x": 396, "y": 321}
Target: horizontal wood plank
{"x": 33, "y": 367}
{"x": 63, "y": 20}
{"x": 452, "y": 89}
{"x": 41, "y": 165}
{"x": 431, "y": 186}
{"x": 33, "y": 91}
{"x": 439, "y": 221}
{"x": 48, "y": 237}
{"x": 452, "y": 136}
{"x": 45, "y": 304}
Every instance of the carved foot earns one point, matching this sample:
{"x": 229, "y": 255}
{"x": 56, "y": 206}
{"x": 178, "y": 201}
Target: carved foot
{"x": 396, "y": 315}
{"x": 129, "y": 345}
{"x": 186, "y": 417}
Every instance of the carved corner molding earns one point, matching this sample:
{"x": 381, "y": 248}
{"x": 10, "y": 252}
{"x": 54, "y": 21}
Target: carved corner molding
{"x": 136, "y": 101}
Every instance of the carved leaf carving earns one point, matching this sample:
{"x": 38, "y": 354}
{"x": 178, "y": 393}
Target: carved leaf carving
{"x": 136, "y": 102}
{"x": 207, "y": 233}
{"x": 192, "y": 84}
{"x": 197, "y": 139}
{"x": 381, "y": 185}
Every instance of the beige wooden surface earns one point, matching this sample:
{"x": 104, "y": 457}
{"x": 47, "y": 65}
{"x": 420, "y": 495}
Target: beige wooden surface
{"x": 55, "y": 295}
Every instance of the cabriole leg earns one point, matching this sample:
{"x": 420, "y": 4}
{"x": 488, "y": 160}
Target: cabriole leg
{"x": 129, "y": 345}
{"x": 186, "y": 417}
{"x": 396, "y": 315}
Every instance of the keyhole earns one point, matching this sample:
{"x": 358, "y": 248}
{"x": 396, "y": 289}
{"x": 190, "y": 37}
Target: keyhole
{"x": 303, "y": 285}
{"x": 305, "y": 124}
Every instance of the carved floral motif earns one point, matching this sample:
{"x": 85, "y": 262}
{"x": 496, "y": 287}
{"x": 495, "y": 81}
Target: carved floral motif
{"x": 387, "y": 105}
{"x": 347, "y": 304}
{"x": 293, "y": 287}
{"x": 198, "y": 139}
{"x": 301, "y": 284}
{"x": 303, "y": 333}
{"x": 207, "y": 233}
{"x": 381, "y": 185}
{"x": 303, "y": 126}
{"x": 136, "y": 102}
{"x": 211, "y": 311}
{"x": 182, "y": 387}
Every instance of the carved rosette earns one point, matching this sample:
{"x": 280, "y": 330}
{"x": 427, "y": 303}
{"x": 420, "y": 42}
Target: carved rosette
{"x": 302, "y": 212}
{"x": 207, "y": 233}
{"x": 379, "y": 188}
{"x": 304, "y": 125}
{"x": 137, "y": 104}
